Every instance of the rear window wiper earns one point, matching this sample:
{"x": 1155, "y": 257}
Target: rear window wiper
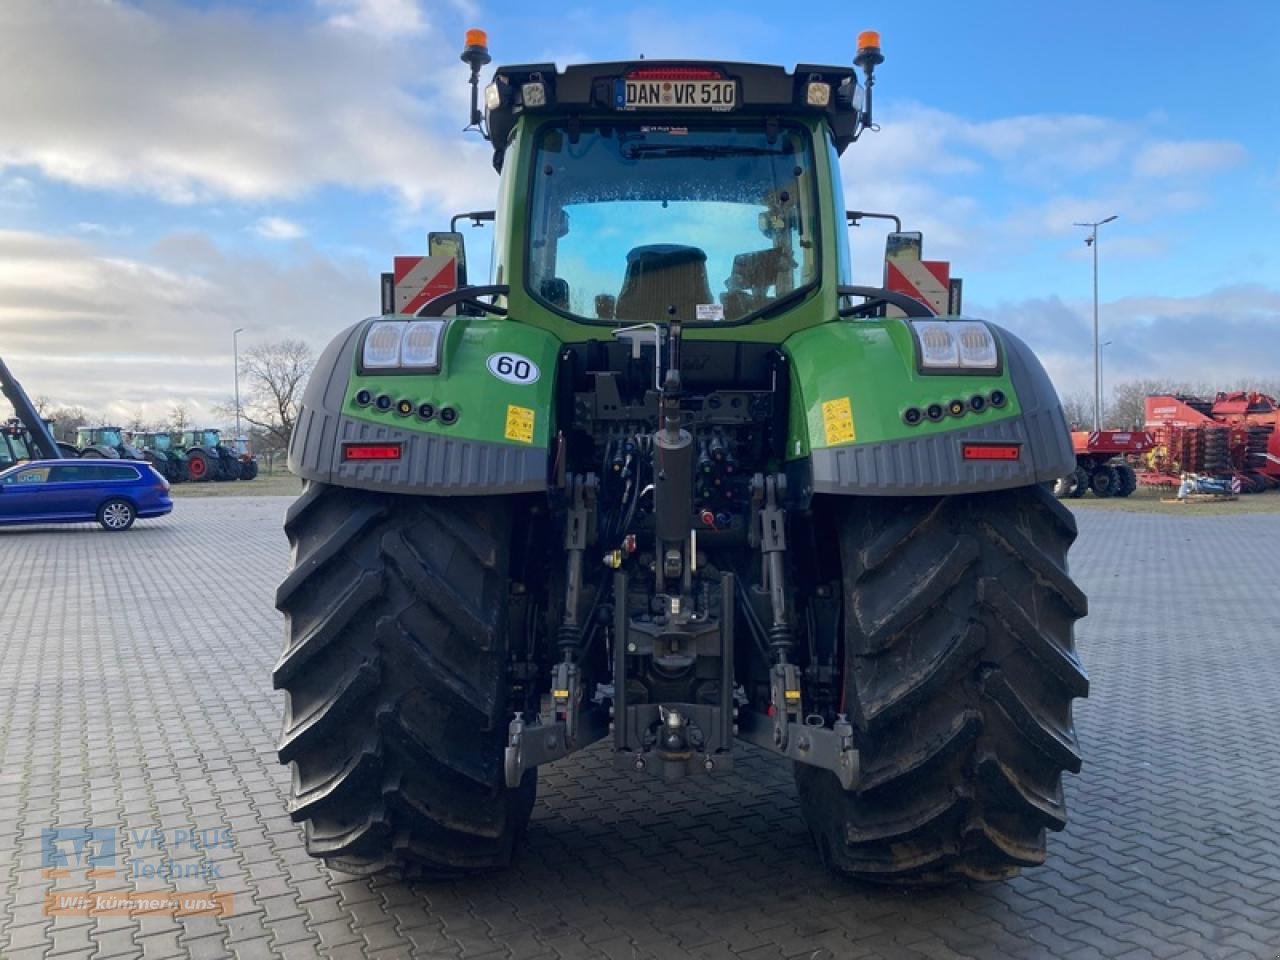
{"x": 636, "y": 150}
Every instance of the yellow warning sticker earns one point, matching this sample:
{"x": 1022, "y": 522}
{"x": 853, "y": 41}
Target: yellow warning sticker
{"x": 519, "y": 424}
{"x": 837, "y": 421}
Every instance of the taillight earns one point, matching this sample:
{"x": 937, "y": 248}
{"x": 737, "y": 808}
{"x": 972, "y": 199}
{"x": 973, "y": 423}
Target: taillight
{"x": 370, "y": 451}
{"x": 991, "y": 451}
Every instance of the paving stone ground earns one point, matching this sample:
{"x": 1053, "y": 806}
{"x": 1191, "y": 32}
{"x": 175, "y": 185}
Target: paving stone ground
{"x": 135, "y": 695}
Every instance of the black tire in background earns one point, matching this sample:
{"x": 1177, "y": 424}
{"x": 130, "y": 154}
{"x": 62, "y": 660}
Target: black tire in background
{"x": 117, "y": 515}
{"x": 225, "y": 468}
{"x": 1126, "y": 479}
{"x": 395, "y": 672}
{"x": 248, "y": 469}
{"x": 1082, "y": 483}
{"x": 960, "y": 670}
{"x": 1104, "y": 482}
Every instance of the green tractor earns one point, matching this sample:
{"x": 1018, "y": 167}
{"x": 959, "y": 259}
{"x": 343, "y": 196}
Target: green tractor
{"x": 158, "y": 448}
{"x": 106, "y": 442}
{"x": 13, "y": 443}
{"x": 599, "y": 499}
{"x": 205, "y": 456}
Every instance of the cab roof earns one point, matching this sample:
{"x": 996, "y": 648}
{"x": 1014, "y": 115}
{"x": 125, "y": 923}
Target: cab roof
{"x": 599, "y": 88}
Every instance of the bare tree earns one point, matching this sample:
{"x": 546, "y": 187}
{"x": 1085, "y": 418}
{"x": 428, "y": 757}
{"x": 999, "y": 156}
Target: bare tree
{"x": 179, "y": 418}
{"x": 275, "y": 375}
{"x": 1078, "y": 408}
{"x": 138, "y": 422}
{"x": 66, "y": 420}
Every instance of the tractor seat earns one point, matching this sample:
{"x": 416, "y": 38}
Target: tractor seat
{"x": 663, "y": 275}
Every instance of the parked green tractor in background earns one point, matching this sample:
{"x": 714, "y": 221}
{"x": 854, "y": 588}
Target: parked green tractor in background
{"x": 158, "y": 448}
{"x": 671, "y": 481}
{"x": 206, "y": 457}
{"x": 106, "y": 442}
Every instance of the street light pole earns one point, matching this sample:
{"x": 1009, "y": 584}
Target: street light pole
{"x": 1092, "y": 241}
{"x": 1102, "y": 356}
{"x": 235, "y": 348}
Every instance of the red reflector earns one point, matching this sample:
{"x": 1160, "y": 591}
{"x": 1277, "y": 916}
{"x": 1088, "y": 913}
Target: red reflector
{"x": 991, "y": 451}
{"x": 675, "y": 73}
{"x": 371, "y": 451}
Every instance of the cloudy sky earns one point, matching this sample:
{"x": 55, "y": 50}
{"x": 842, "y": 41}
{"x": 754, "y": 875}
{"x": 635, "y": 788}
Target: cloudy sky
{"x": 171, "y": 171}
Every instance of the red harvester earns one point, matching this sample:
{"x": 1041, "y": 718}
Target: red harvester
{"x": 1235, "y": 436}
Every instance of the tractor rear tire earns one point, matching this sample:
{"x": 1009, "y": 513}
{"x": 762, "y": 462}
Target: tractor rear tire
{"x": 225, "y": 469}
{"x": 1128, "y": 479}
{"x": 199, "y": 467}
{"x": 1082, "y": 483}
{"x": 960, "y": 670}
{"x": 396, "y": 672}
{"x": 1104, "y": 481}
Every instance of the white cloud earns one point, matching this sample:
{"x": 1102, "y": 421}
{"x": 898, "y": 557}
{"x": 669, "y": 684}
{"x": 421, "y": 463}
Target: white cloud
{"x": 117, "y": 334}
{"x": 103, "y": 230}
{"x": 199, "y": 104}
{"x": 379, "y": 18}
{"x": 1228, "y": 335}
{"x": 278, "y": 228}
{"x": 1188, "y": 158}
{"x": 983, "y": 192}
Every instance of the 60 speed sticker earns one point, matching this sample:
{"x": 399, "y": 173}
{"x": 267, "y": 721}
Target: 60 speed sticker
{"x": 513, "y": 368}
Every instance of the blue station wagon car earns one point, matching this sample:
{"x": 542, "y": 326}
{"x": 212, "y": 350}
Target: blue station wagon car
{"x": 114, "y": 493}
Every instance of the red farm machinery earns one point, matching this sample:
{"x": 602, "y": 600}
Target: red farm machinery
{"x": 1103, "y": 463}
{"x": 1234, "y": 437}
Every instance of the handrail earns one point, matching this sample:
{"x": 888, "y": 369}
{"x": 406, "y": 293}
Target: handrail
{"x": 877, "y": 295}
{"x": 436, "y": 306}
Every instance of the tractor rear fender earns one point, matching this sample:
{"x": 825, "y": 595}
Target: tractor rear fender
{"x": 860, "y": 416}
{"x": 480, "y": 425}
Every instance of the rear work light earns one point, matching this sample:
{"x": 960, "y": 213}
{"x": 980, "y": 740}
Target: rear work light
{"x": 991, "y": 451}
{"x": 370, "y": 451}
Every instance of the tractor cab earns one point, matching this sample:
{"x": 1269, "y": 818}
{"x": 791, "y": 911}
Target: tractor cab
{"x": 99, "y": 437}
{"x": 162, "y": 442}
{"x": 13, "y": 443}
{"x": 201, "y": 438}
{"x": 108, "y": 442}
{"x": 706, "y": 193}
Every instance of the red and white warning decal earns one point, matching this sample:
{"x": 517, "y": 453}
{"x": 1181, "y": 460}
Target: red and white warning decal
{"x": 419, "y": 279}
{"x": 927, "y": 280}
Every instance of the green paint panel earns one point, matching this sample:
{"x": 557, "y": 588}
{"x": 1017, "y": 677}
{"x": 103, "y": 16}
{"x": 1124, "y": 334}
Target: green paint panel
{"x": 872, "y": 364}
{"x": 465, "y": 383}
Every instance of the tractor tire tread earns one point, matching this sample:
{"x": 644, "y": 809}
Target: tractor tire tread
{"x": 963, "y": 722}
{"x": 395, "y": 672}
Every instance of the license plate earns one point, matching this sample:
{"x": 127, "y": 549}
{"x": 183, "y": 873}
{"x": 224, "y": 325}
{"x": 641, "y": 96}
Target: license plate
{"x": 676, "y": 94}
